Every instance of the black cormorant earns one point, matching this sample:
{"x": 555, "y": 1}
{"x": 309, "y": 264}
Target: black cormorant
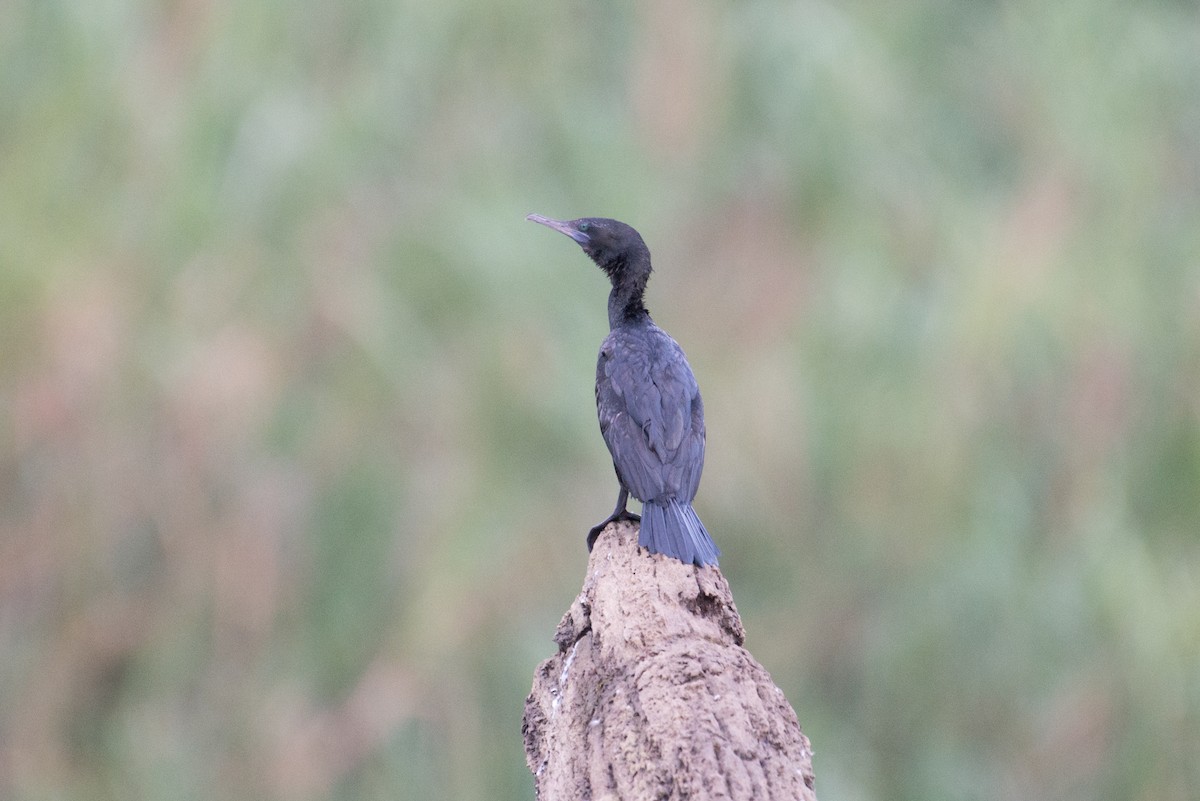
{"x": 647, "y": 399}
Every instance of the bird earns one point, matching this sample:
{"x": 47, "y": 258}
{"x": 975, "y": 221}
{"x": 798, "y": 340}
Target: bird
{"x": 647, "y": 399}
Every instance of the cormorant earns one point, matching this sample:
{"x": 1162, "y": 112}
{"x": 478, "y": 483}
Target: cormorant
{"x": 647, "y": 399}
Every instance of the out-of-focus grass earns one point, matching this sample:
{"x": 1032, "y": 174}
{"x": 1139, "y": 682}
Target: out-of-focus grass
{"x": 298, "y": 448}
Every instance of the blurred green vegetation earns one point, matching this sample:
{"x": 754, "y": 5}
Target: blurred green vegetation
{"x": 299, "y": 449}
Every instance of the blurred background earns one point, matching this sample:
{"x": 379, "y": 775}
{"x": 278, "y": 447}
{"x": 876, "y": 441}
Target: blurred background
{"x": 299, "y": 444}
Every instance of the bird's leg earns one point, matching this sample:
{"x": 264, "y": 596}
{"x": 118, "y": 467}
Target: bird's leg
{"x": 619, "y": 513}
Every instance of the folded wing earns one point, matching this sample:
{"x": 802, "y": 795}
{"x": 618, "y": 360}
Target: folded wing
{"x": 651, "y": 415}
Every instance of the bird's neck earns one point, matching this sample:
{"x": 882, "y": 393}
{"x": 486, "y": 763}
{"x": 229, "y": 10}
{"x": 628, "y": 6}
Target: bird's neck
{"x": 626, "y": 302}
{"x": 626, "y": 305}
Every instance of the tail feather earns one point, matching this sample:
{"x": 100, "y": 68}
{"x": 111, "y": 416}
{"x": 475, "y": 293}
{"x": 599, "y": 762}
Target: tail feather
{"x": 673, "y": 529}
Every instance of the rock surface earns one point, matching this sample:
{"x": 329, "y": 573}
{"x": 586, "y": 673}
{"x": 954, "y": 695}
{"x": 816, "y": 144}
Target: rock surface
{"x": 651, "y": 694}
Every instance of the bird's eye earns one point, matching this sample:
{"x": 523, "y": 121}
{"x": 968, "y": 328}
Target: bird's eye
{"x": 584, "y": 226}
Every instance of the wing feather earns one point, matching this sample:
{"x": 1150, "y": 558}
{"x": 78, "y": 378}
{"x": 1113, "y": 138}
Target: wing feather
{"x": 651, "y": 415}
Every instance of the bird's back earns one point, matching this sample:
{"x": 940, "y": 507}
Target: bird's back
{"x": 650, "y": 411}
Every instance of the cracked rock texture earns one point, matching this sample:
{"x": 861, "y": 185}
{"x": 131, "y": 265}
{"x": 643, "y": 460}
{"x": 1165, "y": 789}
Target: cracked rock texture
{"x": 651, "y": 694}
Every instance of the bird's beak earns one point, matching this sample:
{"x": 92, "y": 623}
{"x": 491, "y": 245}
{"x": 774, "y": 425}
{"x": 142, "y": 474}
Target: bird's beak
{"x": 563, "y": 227}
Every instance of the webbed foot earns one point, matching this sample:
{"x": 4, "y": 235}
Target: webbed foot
{"x": 621, "y": 515}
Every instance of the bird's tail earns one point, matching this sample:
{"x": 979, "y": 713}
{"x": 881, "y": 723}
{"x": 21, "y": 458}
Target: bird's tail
{"x": 672, "y": 528}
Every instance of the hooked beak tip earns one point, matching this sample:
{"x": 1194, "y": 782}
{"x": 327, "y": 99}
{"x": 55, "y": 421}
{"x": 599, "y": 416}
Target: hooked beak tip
{"x": 562, "y": 226}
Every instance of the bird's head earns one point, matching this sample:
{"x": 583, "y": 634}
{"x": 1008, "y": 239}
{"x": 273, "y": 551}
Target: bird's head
{"x": 615, "y": 247}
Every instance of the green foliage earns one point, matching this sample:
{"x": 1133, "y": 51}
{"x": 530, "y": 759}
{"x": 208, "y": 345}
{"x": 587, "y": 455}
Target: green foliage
{"x": 299, "y": 453}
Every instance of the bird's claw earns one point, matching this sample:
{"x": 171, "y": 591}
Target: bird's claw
{"x": 595, "y": 532}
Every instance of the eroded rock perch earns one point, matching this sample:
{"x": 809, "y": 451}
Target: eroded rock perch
{"x": 652, "y": 696}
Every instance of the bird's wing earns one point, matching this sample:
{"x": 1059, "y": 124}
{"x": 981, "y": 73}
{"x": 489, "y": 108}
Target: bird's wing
{"x": 651, "y": 415}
